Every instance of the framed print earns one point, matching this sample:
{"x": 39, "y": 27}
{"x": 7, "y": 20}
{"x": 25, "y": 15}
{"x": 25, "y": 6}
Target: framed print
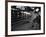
{"x": 25, "y": 18}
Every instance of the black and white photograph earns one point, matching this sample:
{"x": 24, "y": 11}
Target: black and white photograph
{"x": 25, "y": 18}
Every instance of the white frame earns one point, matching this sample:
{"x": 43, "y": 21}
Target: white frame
{"x": 24, "y": 32}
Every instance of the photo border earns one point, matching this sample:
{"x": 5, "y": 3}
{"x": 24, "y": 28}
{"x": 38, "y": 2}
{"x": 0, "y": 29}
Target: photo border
{"x": 6, "y": 18}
